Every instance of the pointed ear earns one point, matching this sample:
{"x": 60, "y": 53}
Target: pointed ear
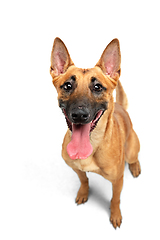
{"x": 110, "y": 60}
{"x": 60, "y": 58}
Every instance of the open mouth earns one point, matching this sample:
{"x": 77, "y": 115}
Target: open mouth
{"x": 93, "y": 123}
{"x": 80, "y": 147}
{"x": 96, "y": 119}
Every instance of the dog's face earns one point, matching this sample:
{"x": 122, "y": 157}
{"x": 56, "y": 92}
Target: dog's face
{"x": 84, "y": 94}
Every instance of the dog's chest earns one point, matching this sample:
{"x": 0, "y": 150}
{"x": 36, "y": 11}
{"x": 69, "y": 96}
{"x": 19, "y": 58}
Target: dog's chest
{"x": 86, "y": 165}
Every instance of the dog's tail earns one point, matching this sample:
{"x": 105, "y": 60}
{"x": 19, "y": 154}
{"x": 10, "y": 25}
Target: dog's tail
{"x": 121, "y": 97}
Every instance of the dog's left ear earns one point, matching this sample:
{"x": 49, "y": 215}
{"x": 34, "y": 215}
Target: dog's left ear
{"x": 110, "y": 60}
{"x": 60, "y": 58}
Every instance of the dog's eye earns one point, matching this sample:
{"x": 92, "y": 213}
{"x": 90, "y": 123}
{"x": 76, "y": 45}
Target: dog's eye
{"x": 98, "y": 87}
{"x": 67, "y": 86}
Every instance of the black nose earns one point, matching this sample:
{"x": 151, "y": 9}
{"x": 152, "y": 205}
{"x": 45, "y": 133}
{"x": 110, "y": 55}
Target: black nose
{"x": 80, "y": 115}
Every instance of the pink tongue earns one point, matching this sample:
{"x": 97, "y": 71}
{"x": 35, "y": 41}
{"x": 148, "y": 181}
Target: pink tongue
{"x": 80, "y": 146}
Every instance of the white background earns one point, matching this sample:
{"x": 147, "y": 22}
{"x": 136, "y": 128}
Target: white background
{"x": 37, "y": 188}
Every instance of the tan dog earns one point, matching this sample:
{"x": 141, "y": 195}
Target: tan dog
{"x": 100, "y": 137}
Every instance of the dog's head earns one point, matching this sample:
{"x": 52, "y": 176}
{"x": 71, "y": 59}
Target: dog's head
{"x": 84, "y": 94}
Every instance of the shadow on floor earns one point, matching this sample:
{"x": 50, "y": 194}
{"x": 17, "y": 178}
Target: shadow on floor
{"x": 100, "y": 194}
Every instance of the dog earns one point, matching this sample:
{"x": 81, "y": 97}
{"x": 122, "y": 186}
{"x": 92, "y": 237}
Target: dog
{"x": 100, "y": 137}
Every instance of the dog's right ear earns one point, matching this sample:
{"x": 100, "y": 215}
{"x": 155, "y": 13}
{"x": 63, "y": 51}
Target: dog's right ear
{"x": 60, "y": 58}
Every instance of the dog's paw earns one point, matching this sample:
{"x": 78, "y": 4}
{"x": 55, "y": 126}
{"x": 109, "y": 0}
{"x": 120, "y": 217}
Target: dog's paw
{"x": 81, "y": 199}
{"x": 82, "y": 196}
{"x": 135, "y": 169}
{"x": 116, "y": 219}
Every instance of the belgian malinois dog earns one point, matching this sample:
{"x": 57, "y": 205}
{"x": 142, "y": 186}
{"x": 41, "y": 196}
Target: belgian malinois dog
{"x": 100, "y": 136}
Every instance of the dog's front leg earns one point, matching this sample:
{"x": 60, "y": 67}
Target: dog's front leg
{"x": 82, "y": 195}
{"x": 116, "y": 217}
